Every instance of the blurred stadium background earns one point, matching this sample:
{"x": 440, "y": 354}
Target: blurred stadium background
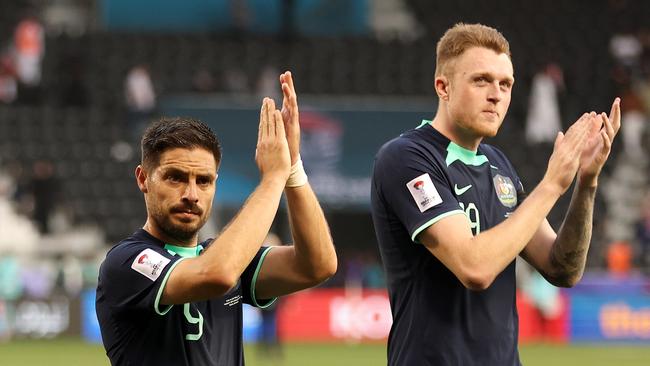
{"x": 80, "y": 78}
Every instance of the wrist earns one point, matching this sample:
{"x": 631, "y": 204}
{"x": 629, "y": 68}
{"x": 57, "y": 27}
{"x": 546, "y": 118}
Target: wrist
{"x": 274, "y": 180}
{"x": 551, "y": 189}
{"x": 587, "y": 183}
{"x": 297, "y": 176}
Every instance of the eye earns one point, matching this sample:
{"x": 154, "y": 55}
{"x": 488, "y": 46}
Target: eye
{"x": 175, "y": 178}
{"x": 481, "y": 80}
{"x": 204, "y": 181}
{"x": 506, "y": 85}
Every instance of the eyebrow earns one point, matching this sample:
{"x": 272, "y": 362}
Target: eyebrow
{"x": 489, "y": 75}
{"x": 175, "y": 170}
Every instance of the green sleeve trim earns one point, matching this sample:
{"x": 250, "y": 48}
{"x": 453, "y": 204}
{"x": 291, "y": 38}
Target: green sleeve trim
{"x": 162, "y": 287}
{"x": 433, "y": 221}
{"x": 254, "y": 282}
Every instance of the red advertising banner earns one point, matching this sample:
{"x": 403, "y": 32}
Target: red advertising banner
{"x": 334, "y": 315}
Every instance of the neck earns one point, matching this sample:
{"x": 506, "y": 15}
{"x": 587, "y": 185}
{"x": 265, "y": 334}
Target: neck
{"x": 161, "y": 235}
{"x": 453, "y": 131}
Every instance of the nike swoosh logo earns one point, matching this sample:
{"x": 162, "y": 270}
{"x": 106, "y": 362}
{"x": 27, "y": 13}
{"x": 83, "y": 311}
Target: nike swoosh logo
{"x": 460, "y": 191}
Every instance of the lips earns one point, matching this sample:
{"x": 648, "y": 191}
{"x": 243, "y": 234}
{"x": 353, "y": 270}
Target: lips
{"x": 187, "y": 211}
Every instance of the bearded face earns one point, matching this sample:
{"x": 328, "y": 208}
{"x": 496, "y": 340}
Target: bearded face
{"x": 179, "y": 193}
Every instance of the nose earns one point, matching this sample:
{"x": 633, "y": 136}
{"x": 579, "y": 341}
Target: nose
{"x": 191, "y": 193}
{"x": 494, "y": 93}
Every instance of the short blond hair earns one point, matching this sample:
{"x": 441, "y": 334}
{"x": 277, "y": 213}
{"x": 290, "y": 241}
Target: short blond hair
{"x": 461, "y": 37}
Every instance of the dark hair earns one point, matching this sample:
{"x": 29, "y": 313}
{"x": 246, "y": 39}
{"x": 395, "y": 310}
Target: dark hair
{"x": 177, "y": 132}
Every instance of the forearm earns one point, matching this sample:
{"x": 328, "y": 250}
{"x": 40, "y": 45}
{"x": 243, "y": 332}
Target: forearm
{"x": 568, "y": 254}
{"x": 235, "y": 247}
{"x": 499, "y": 246}
{"x": 314, "y": 251}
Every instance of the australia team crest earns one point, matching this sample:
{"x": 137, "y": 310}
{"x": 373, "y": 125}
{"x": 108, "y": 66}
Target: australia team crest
{"x": 505, "y": 190}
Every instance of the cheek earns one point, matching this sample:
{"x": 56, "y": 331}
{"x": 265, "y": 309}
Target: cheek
{"x": 207, "y": 197}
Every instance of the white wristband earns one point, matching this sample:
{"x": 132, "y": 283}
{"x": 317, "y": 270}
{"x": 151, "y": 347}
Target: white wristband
{"x": 297, "y": 177}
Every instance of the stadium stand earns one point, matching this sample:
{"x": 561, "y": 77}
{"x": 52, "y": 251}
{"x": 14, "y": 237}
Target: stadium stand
{"x": 101, "y": 189}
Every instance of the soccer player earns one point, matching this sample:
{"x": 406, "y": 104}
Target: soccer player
{"x": 165, "y": 299}
{"x": 450, "y": 217}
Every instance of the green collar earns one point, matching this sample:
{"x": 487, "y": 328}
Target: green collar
{"x": 467, "y": 157}
{"x": 185, "y": 252}
{"x": 457, "y": 152}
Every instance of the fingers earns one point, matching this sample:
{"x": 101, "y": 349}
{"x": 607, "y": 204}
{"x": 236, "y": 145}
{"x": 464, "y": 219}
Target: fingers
{"x": 279, "y": 125}
{"x": 271, "y": 124}
{"x": 607, "y": 142}
{"x": 270, "y": 110}
{"x": 575, "y": 135}
{"x": 267, "y": 127}
{"x": 607, "y": 126}
{"x": 615, "y": 115}
{"x": 288, "y": 90}
{"x": 287, "y": 78}
{"x": 261, "y": 130}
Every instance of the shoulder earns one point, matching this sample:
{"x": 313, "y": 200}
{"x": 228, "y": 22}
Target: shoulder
{"x": 407, "y": 146}
{"x": 124, "y": 253}
{"x": 406, "y": 139}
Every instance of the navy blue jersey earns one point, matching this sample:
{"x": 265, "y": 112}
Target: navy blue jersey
{"x": 419, "y": 178}
{"x": 137, "y": 330}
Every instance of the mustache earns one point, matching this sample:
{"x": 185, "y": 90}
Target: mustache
{"x": 187, "y": 208}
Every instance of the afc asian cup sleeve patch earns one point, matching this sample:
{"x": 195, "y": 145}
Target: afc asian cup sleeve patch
{"x": 149, "y": 263}
{"x": 424, "y": 193}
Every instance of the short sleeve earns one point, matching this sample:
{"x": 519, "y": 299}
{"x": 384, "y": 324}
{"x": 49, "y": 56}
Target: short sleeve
{"x": 249, "y": 279}
{"x": 134, "y": 276}
{"x": 412, "y": 185}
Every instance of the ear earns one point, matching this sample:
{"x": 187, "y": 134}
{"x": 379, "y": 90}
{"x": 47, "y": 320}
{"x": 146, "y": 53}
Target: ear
{"x": 141, "y": 178}
{"x": 441, "y": 84}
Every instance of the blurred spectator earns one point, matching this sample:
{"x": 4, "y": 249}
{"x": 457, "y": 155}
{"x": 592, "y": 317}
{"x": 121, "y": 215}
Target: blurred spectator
{"x": 619, "y": 258}
{"x": 14, "y": 228}
{"x": 634, "y": 121}
{"x": 140, "y": 98}
{"x": 8, "y": 85}
{"x": 29, "y": 49}
{"x": 44, "y": 188}
{"x": 140, "y": 94}
{"x": 626, "y": 50}
{"x": 543, "y": 121}
{"x": 643, "y": 234}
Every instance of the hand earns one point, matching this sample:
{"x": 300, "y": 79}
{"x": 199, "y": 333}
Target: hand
{"x": 290, "y": 115}
{"x": 564, "y": 162}
{"x": 272, "y": 153}
{"x": 599, "y": 145}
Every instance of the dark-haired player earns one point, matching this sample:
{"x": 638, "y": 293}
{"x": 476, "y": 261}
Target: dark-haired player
{"x": 163, "y": 298}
